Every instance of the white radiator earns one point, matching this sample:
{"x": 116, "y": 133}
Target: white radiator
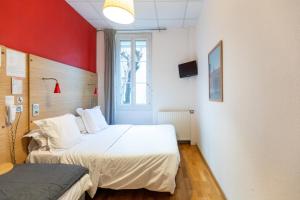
{"x": 181, "y": 121}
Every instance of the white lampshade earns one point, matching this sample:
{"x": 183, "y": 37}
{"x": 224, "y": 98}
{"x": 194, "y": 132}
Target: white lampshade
{"x": 119, "y": 11}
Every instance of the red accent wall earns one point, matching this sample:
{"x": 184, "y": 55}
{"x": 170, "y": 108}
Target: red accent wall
{"x": 50, "y": 29}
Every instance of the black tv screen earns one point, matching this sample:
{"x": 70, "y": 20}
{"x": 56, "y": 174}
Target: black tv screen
{"x": 188, "y": 69}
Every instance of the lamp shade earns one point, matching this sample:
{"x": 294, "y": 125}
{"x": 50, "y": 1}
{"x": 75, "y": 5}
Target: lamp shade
{"x": 119, "y": 11}
{"x": 56, "y": 89}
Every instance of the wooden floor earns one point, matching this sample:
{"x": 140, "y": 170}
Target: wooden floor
{"x": 193, "y": 182}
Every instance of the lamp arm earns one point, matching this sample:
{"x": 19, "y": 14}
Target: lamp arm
{"x": 50, "y": 79}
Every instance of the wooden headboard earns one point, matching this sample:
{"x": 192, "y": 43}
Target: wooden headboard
{"x": 77, "y": 87}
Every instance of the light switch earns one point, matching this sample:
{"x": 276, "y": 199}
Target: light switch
{"x": 35, "y": 110}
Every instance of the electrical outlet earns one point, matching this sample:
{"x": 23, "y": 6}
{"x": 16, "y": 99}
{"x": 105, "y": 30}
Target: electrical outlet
{"x": 35, "y": 110}
{"x": 19, "y": 108}
{"x": 20, "y": 100}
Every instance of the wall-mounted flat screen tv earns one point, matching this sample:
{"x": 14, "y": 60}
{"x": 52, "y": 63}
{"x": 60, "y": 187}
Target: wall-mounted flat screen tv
{"x": 188, "y": 69}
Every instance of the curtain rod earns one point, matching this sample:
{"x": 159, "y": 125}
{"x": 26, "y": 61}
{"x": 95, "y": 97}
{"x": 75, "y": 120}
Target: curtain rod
{"x": 135, "y": 30}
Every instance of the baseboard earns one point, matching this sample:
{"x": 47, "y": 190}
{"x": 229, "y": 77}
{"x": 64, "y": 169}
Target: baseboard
{"x": 211, "y": 172}
{"x": 183, "y": 141}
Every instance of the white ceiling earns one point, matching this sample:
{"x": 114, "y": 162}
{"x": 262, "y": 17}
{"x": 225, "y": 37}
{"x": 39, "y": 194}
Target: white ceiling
{"x": 148, "y": 13}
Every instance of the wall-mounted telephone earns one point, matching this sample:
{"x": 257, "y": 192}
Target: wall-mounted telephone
{"x": 11, "y": 113}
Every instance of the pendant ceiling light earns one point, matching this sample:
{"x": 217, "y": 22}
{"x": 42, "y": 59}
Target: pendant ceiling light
{"x": 119, "y": 11}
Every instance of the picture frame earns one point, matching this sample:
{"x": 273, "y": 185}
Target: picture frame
{"x": 215, "y": 72}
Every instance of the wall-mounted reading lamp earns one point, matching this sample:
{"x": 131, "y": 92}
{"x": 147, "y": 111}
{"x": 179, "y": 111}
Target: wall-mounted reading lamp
{"x": 95, "y": 93}
{"x": 57, "y": 88}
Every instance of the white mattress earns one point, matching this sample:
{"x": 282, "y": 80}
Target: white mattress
{"x": 77, "y": 190}
{"x": 123, "y": 157}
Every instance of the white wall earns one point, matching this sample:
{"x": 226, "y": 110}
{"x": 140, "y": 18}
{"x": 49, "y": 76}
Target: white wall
{"x": 170, "y": 48}
{"x": 251, "y": 140}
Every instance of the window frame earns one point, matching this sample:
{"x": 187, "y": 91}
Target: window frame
{"x": 133, "y": 37}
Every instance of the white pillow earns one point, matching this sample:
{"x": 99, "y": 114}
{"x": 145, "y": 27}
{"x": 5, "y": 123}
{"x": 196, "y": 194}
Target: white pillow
{"x": 79, "y": 111}
{"x": 93, "y": 119}
{"x": 39, "y": 140}
{"x": 62, "y": 131}
{"x": 32, "y": 146}
{"x": 81, "y": 125}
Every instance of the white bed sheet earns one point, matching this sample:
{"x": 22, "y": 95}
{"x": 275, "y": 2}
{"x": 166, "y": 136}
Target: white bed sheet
{"x": 77, "y": 190}
{"x": 123, "y": 157}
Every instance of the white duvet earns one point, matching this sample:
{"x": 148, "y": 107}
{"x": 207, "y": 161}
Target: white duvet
{"x": 123, "y": 157}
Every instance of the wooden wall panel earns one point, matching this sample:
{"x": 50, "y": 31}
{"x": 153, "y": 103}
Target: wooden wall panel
{"x": 5, "y": 90}
{"x": 77, "y": 88}
{"x": 75, "y": 85}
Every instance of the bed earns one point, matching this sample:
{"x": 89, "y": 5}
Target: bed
{"x": 123, "y": 157}
{"x": 45, "y": 182}
{"x": 77, "y": 191}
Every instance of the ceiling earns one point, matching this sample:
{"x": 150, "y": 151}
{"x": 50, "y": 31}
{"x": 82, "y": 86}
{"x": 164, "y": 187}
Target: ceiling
{"x": 148, "y": 13}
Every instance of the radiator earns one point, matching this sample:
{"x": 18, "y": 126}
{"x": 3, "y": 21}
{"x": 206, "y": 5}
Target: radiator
{"x": 181, "y": 121}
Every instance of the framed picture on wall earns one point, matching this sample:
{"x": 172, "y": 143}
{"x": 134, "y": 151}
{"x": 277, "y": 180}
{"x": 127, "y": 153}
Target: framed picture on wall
{"x": 215, "y": 70}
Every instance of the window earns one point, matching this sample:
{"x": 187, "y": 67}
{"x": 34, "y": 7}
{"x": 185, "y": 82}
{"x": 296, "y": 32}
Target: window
{"x": 133, "y": 71}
